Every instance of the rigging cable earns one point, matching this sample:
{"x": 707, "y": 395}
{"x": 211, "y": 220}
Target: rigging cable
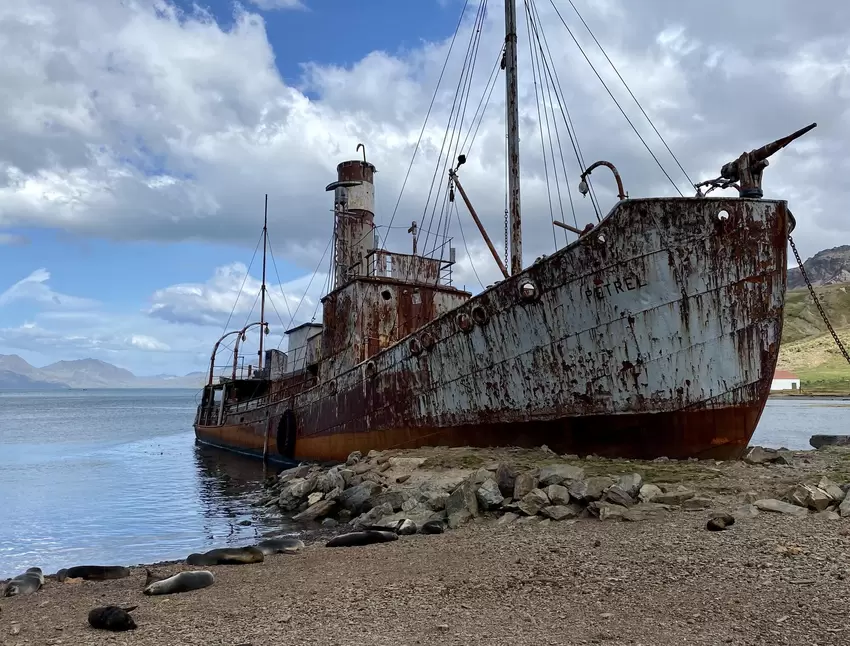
{"x": 241, "y": 287}
{"x": 557, "y": 131}
{"x": 616, "y": 71}
{"x": 613, "y": 98}
{"x": 534, "y": 64}
{"x": 279, "y": 281}
{"x": 568, "y": 122}
{"x": 428, "y": 114}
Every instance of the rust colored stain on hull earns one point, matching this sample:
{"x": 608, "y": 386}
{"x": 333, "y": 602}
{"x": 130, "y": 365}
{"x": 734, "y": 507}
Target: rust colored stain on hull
{"x": 655, "y": 334}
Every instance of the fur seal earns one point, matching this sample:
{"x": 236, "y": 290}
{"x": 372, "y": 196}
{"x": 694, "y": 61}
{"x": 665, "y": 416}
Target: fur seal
{"x": 719, "y": 523}
{"x": 433, "y": 527}
{"x": 181, "y": 582}
{"x": 26, "y": 583}
{"x": 403, "y": 527}
{"x": 93, "y": 572}
{"x": 280, "y": 546}
{"x": 366, "y": 537}
{"x": 227, "y": 556}
{"x": 112, "y": 618}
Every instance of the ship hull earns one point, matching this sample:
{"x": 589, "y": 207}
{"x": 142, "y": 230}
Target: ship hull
{"x": 654, "y": 335}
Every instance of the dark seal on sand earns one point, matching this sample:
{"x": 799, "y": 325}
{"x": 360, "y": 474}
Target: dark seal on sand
{"x": 367, "y": 537}
{"x": 227, "y": 556}
{"x": 719, "y": 523}
{"x": 112, "y": 618}
{"x": 280, "y": 546}
{"x": 93, "y": 572}
{"x": 433, "y": 527}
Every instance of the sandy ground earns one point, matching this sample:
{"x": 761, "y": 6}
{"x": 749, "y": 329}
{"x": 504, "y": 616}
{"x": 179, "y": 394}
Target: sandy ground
{"x": 768, "y": 580}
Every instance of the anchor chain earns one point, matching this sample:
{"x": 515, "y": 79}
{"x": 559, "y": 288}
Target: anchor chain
{"x": 817, "y": 302}
{"x": 507, "y": 261}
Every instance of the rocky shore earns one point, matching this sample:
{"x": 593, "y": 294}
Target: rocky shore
{"x": 538, "y": 549}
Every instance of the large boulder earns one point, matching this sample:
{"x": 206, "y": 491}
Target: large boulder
{"x": 674, "y": 496}
{"x": 506, "y": 478}
{"x": 561, "y": 512}
{"x": 524, "y": 483}
{"x": 356, "y": 499}
{"x": 533, "y": 502}
{"x": 844, "y": 507}
{"x": 619, "y": 496}
{"x": 832, "y": 489}
{"x": 394, "y": 498}
{"x": 558, "y": 495}
{"x": 316, "y": 511}
{"x": 771, "y": 504}
{"x": 761, "y": 455}
{"x": 462, "y": 504}
{"x": 374, "y": 516}
{"x": 630, "y": 483}
{"x": 810, "y": 496}
{"x": 488, "y": 494}
{"x": 559, "y": 473}
{"x": 648, "y": 492}
{"x": 586, "y": 491}
{"x": 294, "y": 493}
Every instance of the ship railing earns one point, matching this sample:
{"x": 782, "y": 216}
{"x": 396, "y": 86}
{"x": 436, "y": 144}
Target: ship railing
{"x": 262, "y": 401}
{"x": 207, "y": 416}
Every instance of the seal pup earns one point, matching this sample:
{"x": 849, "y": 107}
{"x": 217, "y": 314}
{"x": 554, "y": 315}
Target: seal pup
{"x": 403, "y": 527}
{"x": 280, "y": 546}
{"x": 367, "y": 537}
{"x": 433, "y": 527}
{"x": 719, "y": 523}
{"x": 181, "y": 582}
{"x": 93, "y": 572}
{"x": 112, "y": 618}
{"x": 26, "y": 583}
{"x": 227, "y": 556}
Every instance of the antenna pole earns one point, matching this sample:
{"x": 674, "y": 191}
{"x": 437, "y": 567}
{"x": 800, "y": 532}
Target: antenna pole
{"x": 263, "y": 288}
{"x": 513, "y": 136}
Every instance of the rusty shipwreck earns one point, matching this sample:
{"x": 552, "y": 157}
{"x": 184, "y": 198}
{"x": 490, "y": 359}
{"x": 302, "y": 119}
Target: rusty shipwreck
{"x": 654, "y": 333}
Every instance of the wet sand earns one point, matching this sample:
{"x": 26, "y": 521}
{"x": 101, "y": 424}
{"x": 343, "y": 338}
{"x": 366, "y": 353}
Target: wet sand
{"x": 771, "y": 579}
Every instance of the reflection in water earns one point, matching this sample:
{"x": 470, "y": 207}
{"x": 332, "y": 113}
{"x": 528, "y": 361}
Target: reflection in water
{"x": 115, "y": 477}
{"x": 228, "y": 484}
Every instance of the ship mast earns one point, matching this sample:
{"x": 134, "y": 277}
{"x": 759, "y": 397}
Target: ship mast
{"x": 263, "y": 288}
{"x": 512, "y": 105}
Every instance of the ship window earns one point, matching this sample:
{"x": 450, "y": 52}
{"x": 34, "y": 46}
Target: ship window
{"x": 723, "y": 215}
{"x": 386, "y": 294}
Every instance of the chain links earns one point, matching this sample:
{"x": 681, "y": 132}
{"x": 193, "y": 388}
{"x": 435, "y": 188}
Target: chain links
{"x": 817, "y": 302}
{"x": 507, "y": 261}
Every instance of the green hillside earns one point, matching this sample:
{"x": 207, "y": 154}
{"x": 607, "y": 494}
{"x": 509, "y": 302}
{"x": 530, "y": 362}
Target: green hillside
{"x": 808, "y": 350}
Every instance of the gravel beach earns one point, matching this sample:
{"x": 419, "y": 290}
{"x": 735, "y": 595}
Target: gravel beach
{"x": 543, "y": 549}
{"x": 768, "y": 580}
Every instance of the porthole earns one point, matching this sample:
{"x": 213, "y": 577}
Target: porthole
{"x": 479, "y": 315}
{"x": 464, "y": 322}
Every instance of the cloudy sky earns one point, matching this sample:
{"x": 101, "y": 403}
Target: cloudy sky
{"x": 137, "y": 139}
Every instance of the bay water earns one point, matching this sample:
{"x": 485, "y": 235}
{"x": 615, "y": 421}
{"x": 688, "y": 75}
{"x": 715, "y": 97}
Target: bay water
{"x": 114, "y": 477}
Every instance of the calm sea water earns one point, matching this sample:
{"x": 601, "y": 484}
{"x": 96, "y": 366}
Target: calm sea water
{"x": 115, "y": 477}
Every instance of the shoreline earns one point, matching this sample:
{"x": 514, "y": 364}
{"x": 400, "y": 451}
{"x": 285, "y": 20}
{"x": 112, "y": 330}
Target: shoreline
{"x": 507, "y": 572}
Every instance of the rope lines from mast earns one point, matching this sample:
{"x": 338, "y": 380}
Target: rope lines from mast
{"x": 628, "y": 89}
{"x": 535, "y": 63}
{"x": 459, "y": 102}
{"x": 554, "y": 81}
{"x": 463, "y": 238}
{"x": 614, "y": 99}
{"x": 427, "y": 115}
{"x": 242, "y": 286}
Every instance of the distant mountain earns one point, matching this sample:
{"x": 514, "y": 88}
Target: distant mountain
{"x": 18, "y": 374}
{"x": 15, "y": 381}
{"x": 827, "y": 267}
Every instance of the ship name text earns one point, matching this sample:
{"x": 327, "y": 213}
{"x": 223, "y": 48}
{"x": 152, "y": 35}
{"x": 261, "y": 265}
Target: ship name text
{"x": 625, "y": 284}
